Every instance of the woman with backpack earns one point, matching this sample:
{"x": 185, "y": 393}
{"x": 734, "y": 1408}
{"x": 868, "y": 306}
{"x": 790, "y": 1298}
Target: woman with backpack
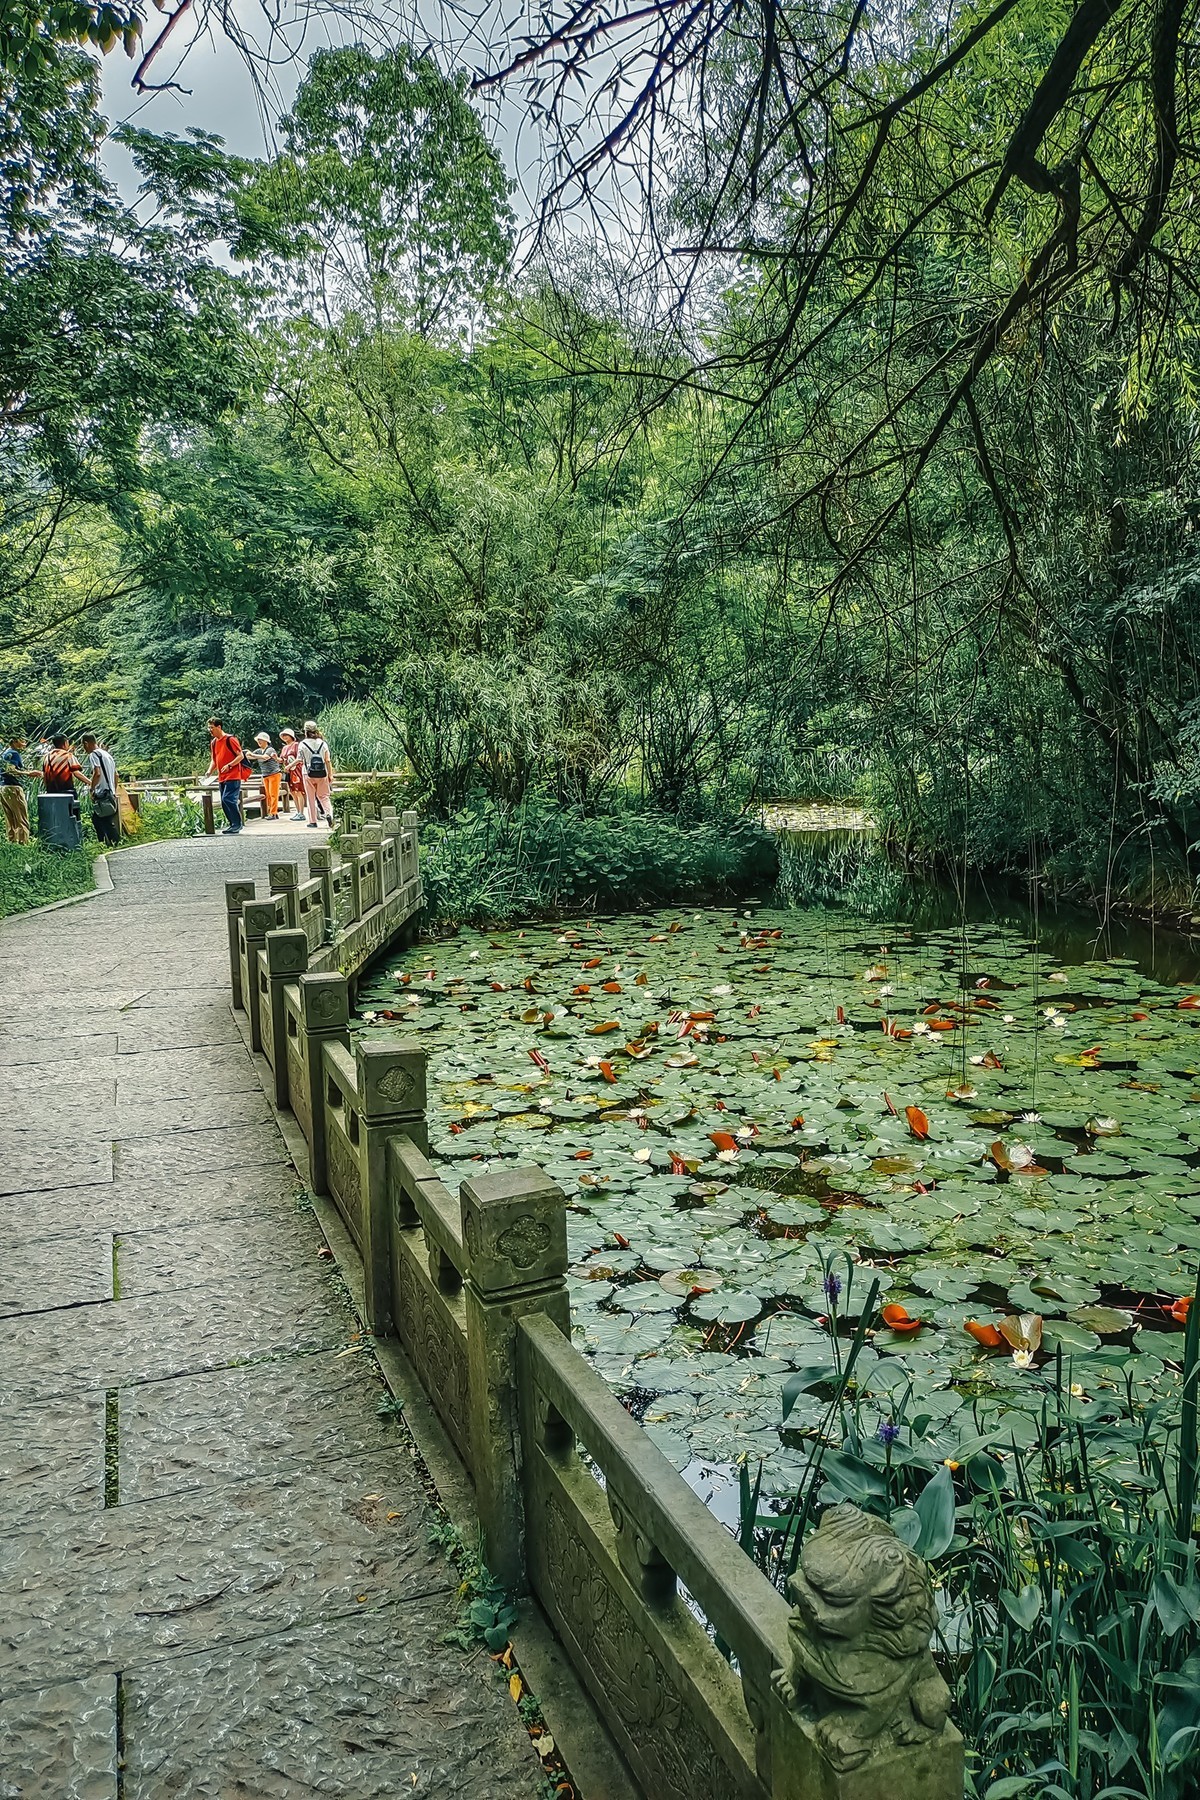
{"x": 317, "y": 769}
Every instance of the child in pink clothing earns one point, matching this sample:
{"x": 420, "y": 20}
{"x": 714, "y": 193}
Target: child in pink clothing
{"x": 317, "y": 769}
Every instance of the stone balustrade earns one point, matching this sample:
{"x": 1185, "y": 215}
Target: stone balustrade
{"x": 831, "y": 1697}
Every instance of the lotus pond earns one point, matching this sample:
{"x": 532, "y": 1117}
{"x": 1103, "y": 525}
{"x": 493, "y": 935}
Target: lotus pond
{"x": 758, "y": 1115}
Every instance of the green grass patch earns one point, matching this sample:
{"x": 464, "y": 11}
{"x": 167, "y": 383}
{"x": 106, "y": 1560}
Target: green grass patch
{"x": 31, "y": 876}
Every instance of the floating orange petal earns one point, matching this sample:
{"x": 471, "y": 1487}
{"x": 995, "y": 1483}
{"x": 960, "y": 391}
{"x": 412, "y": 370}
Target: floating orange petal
{"x": 987, "y": 1335}
{"x": 724, "y": 1140}
{"x": 896, "y": 1317}
{"x": 612, "y": 987}
{"x": 918, "y": 1122}
{"x": 603, "y": 1026}
{"x": 1180, "y": 1308}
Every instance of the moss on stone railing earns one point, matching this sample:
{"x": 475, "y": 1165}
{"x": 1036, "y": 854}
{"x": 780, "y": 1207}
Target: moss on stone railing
{"x": 832, "y": 1698}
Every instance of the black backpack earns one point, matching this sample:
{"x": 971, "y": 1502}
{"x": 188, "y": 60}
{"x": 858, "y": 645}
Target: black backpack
{"x": 316, "y": 764}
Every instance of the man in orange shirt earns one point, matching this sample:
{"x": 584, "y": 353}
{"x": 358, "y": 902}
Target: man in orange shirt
{"x": 230, "y": 768}
{"x": 60, "y": 768}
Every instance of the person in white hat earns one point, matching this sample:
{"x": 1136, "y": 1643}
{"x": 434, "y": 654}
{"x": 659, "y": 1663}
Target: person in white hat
{"x": 267, "y": 758}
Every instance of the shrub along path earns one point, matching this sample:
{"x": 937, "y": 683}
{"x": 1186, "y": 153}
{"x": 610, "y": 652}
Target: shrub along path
{"x": 215, "y": 1574}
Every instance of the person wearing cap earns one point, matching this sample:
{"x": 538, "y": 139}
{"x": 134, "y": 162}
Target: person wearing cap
{"x": 269, "y": 771}
{"x": 293, "y": 774}
{"x": 317, "y": 768}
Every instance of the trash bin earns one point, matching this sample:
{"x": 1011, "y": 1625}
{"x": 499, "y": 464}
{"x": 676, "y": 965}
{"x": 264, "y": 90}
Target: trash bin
{"x": 59, "y": 824}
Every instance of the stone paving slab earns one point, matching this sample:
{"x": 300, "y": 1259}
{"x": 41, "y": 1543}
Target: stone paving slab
{"x": 377, "y": 1720}
{"x": 184, "y": 1331}
{"x": 60, "y": 1743}
{"x": 233, "y": 1147}
{"x": 42, "y": 1274}
{"x": 46, "y": 1044}
{"x": 232, "y": 1424}
{"x": 216, "y": 1565}
{"x": 144, "y": 1205}
{"x": 180, "y": 1074}
{"x": 246, "y": 1253}
{"x": 28, "y": 1163}
{"x": 52, "y": 1456}
{"x": 141, "y": 1115}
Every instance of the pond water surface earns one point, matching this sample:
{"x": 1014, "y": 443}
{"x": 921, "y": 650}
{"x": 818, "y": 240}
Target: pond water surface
{"x": 758, "y": 1112}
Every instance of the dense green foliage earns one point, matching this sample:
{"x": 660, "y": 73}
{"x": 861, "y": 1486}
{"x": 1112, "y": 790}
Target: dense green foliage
{"x": 496, "y": 864}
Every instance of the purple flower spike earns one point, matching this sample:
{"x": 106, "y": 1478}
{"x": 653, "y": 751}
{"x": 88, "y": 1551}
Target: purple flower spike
{"x": 888, "y": 1433}
{"x": 833, "y": 1286}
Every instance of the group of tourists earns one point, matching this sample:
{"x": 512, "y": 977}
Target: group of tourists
{"x": 58, "y": 768}
{"x": 299, "y": 772}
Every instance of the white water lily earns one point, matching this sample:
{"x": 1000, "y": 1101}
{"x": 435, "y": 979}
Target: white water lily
{"x": 978, "y": 1061}
{"x": 474, "y": 956}
{"x": 1051, "y": 1012}
{"x": 1077, "y": 1392}
{"x": 1103, "y": 1126}
{"x": 1023, "y": 1359}
{"x": 1030, "y": 1118}
{"x": 1010, "y": 1018}
{"x": 745, "y": 1134}
{"x": 1059, "y": 1023}
{"x": 1057, "y": 976}
{"x": 723, "y": 989}
{"x": 887, "y": 988}
{"x": 642, "y": 1156}
{"x": 728, "y": 1155}
{"x": 546, "y": 1105}
{"x": 370, "y": 1017}
{"x": 921, "y": 1029}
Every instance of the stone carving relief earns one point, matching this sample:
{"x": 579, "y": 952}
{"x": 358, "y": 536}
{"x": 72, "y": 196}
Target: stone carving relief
{"x": 396, "y": 1083}
{"x": 436, "y": 1352}
{"x": 858, "y": 1638}
{"x": 345, "y": 1182}
{"x": 524, "y": 1242}
{"x": 675, "y": 1758}
{"x": 324, "y": 1004}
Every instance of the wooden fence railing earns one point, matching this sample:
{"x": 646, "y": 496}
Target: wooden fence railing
{"x": 834, "y": 1698}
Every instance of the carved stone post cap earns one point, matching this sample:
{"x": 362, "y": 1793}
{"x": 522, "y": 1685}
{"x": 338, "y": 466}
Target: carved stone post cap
{"x": 321, "y": 860}
{"x": 283, "y": 875}
{"x": 287, "y": 953}
{"x": 236, "y": 895}
{"x": 261, "y": 916}
{"x": 370, "y": 810}
{"x": 351, "y": 843}
{"x": 514, "y": 1229}
{"x": 372, "y": 834}
{"x": 391, "y": 1078}
{"x": 409, "y": 820}
{"x": 388, "y": 813}
{"x": 324, "y": 1001}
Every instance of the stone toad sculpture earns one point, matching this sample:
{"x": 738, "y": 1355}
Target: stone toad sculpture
{"x": 859, "y": 1640}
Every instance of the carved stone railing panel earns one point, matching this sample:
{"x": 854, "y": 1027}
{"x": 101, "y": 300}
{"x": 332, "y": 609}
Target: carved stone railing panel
{"x": 674, "y": 1704}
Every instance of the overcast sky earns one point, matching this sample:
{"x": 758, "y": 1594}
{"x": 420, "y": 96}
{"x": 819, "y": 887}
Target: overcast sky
{"x": 221, "y": 93}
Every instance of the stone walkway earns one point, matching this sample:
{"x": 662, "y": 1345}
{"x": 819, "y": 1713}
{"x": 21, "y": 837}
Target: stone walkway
{"x": 215, "y": 1573}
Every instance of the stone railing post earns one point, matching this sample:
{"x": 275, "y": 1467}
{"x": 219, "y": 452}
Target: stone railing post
{"x": 283, "y": 879}
{"x": 287, "y": 960}
{"x": 324, "y": 1016}
{"x": 372, "y": 837}
{"x": 322, "y": 862}
{"x": 258, "y": 917}
{"x": 391, "y": 1093}
{"x": 515, "y": 1241}
{"x": 351, "y": 848}
{"x": 236, "y": 895}
{"x": 860, "y": 1711}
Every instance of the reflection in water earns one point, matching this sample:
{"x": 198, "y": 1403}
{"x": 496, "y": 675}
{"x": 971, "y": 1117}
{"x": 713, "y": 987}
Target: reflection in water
{"x": 851, "y": 870}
